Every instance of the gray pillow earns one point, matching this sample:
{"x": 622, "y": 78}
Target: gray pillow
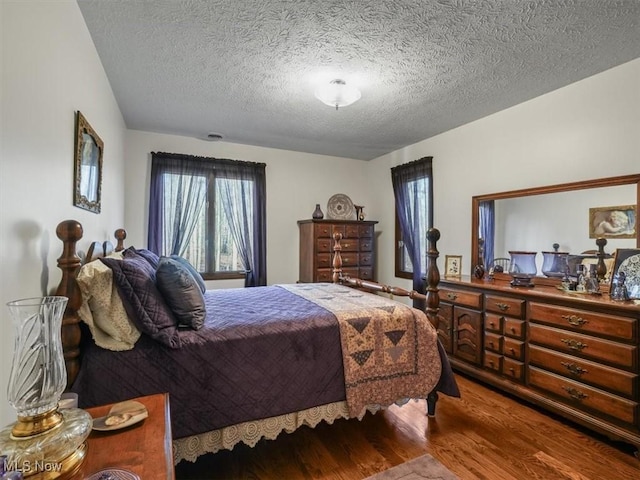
{"x": 194, "y": 273}
{"x": 181, "y": 292}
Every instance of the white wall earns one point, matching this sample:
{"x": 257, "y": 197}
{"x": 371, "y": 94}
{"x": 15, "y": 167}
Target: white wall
{"x": 587, "y": 130}
{"x": 295, "y": 183}
{"x": 50, "y": 69}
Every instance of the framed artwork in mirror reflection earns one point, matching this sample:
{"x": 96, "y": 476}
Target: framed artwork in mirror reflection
{"x": 89, "y": 150}
{"x": 613, "y": 222}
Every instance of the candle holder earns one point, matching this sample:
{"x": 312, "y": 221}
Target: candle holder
{"x": 44, "y": 441}
{"x": 522, "y": 268}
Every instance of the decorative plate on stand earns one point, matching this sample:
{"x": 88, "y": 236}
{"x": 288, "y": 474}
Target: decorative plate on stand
{"x": 340, "y": 207}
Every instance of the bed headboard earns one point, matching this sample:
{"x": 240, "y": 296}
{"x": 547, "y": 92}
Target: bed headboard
{"x": 70, "y": 232}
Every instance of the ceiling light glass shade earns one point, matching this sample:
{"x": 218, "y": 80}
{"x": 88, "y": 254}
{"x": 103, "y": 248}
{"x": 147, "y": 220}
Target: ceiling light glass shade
{"x": 337, "y": 94}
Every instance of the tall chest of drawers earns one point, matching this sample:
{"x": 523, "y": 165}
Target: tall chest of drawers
{"x": 316, "y": 249}
{"x": 575, "y": 355}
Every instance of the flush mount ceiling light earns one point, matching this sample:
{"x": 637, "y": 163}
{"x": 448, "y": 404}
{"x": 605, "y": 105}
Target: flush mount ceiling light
{"x": 337, "y": 94}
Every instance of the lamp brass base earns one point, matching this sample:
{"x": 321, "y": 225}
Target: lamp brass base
{"x": 58, "y": 470}
{"x": 27, "y": 427}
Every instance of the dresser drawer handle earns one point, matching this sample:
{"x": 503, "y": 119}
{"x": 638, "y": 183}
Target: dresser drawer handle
{"x": 503, "y": 307}
{"x": 491, "y": 344}
{"x": 575, "y": 320}
{"x": 573, "y": 344}
{"x": 512, "y": 370}
{"x": 573, "y": 368}
{"x": 451, "y": 296}
{"x": 575, "y": 394}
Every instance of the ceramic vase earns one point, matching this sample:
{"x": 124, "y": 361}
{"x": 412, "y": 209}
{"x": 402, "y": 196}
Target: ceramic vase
{"x": 317, "y": 213}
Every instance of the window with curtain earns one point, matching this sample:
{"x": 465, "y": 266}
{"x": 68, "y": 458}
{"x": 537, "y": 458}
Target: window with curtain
{"x": 211, "y": 212}
{"x": 413, "y": 191}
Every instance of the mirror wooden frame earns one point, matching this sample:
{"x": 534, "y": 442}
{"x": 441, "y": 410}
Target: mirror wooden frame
{"x": 88, "y": 150}
{"x": 525, "y": 192}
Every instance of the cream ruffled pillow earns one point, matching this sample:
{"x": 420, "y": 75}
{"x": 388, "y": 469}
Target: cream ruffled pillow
{"x": 102, "y": 309}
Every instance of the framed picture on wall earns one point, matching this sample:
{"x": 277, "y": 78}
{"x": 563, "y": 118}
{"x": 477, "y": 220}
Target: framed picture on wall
{"x": 452, "y": 265}
{"x": 613, "y": 222}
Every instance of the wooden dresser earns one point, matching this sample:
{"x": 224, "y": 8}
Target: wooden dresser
{"x": 316, "y": 249}
{"x": 576, "y": 355}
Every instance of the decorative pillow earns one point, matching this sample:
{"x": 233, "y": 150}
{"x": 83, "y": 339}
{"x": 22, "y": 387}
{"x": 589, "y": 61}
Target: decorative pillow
{"x": 181, "y": 292}
{"x": 194, "y": 273}
{"x": 135, "y": 279}
{"x": 148, "y": 255}
{"x": 102, "y": 309}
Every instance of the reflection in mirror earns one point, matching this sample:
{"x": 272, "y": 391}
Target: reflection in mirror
{"x": 88, "y": 166}
{"x": 547, "y": 219}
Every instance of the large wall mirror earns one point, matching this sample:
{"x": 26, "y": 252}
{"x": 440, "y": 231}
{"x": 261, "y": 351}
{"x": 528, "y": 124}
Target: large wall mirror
{"x": 534, "y": 219}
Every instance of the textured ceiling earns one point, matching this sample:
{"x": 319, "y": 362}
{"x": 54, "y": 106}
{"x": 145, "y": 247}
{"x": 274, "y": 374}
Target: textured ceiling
{"x": 247, "y": 69}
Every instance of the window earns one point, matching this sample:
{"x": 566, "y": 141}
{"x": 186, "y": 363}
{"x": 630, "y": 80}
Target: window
{"x": 210, "y": 212}
{"x": 413, "y": 191}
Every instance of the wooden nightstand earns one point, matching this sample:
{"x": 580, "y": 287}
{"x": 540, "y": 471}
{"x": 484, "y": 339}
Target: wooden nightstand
{"x": 145, "y": 448}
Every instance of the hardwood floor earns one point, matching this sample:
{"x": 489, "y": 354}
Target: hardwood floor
{"x": 482, "y": 435}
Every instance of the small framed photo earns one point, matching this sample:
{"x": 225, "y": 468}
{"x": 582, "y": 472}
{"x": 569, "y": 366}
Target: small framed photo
{"x": 627, "y": 261}
{"x": 452, "y": 265}
{"x": 613, "y": 222}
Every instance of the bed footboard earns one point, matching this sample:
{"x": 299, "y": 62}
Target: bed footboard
{"x": 431, "y": 297}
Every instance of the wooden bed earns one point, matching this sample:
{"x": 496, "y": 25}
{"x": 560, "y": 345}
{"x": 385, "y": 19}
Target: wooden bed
{"x": 357, "y": 394}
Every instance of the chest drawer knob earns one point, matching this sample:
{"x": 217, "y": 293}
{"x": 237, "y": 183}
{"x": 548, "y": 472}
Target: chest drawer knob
{"x": 502, "y": 306}
{"x": 573, "y": 368}
{"x": 573, "y": 344}
{"x": 575, "y": 394}
{"x": 575, "y": 320}
{"x": 451, "y": 296}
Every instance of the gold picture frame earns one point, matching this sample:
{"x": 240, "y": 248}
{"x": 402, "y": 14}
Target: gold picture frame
{"x": 453, "y": 265}
{"x": 88, "y": 150}
{"x": 613, "y": 222}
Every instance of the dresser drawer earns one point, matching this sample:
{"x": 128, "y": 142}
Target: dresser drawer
{"x": 365, "y": 273}
{"x": 493, "y": 322}
{"x": 513, "y": 348}
{"x": 366, "y": 258}
{"x": 493, "y": 342}
{"x": 366, "y": 244}
{"x": 460, "y": 297}
{"x": 324, "y": 260}
{"x": 513, "y": 369}
{"x": 608, "y": 378}
{"x": 365, "y": 231}
{"x": 584, "y": 346}
{"x": 350, "y": 244}
{"x": 324, "y": 245}
{"x": 324, "y": 230}
{"x": 513, "y": 328}
{"x": 584, "y": 397}
{"x": 349, "y": 259}
{"x": 492, "y": 361}
{"x": 588, "y": 322}
{"x": 324, "y": 275}
{"x": 351, "y": 231}
{"x": 507, "y": 306}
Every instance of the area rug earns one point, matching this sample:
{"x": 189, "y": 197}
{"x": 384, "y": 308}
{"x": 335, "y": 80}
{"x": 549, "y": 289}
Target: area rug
{"x": 420, "y": 468}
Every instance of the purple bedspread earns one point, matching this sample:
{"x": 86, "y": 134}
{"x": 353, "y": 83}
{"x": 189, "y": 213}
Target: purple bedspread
{"x": 262, "y": 352}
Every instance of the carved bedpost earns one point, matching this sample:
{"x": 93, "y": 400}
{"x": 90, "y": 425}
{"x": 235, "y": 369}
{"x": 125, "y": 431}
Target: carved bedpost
{"x": 601, "y": 268}
{"x": 70, "y": 231}
{"x": 120, "y": 235}
{"x": 433, "y": 277}
{"x": 337, "y": 258}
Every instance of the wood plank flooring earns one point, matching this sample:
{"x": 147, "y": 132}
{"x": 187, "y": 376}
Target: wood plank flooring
{"x": 483, "y": 435}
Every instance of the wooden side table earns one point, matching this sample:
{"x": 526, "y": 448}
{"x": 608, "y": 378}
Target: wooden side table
{"x": 144, "y": 448}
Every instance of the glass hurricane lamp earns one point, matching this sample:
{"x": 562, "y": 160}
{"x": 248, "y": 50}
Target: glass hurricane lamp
{"x": 44, "y": 442}
{"x": 522, "y": 268}
{"x": 554, "y": 264}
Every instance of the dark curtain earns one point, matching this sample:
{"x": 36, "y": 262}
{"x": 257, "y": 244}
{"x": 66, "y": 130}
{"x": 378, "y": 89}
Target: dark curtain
{"x": 170, "y": 230}
{"x": 487, "y": 221}
{"x": 409, "y": 204}
{"x": 243, "y": 193}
